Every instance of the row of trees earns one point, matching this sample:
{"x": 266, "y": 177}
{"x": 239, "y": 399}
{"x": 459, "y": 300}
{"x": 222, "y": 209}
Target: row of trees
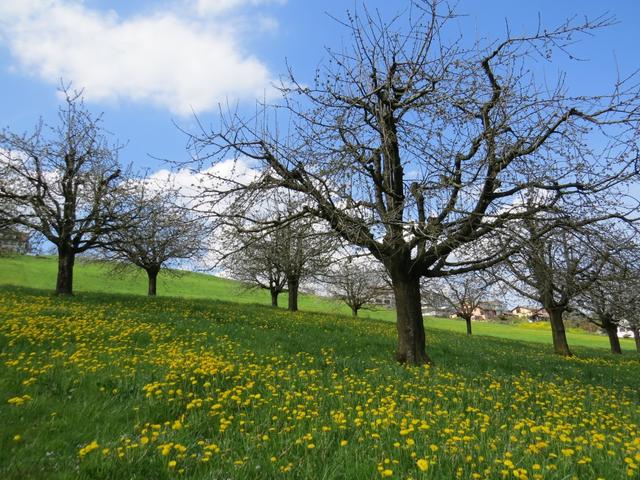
{"x": 591, "y": 273}
{"x": 434, "y": 156}
{"x": 65, "y": 183}
{"x": 428, "y": 151}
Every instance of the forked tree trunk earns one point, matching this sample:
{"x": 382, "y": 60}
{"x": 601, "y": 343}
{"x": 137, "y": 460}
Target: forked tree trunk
{"x": 152, "y": 273}
{"x": 560, "y": 344}
{"x": 612, "y": 331}
{"x": 274, "y": 297}
{"x": 293, "y": 283}
{"x": 411, "y": 337}
{"x": 64, "y": 282}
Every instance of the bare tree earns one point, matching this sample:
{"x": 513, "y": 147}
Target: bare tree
{"x": 256, "y": 261}
{"x": 600, "y": 303}
{"x": 411, "y": 146}
{"x": 157, "y": 232}
{"x": 357, "y": 283}
{"x": 464, "y": 293}
{"x": 62, "y": 182}
{"x": 556, "y": 266}
{"x": 614, "y": 297}
{"x": 287, "y": 251}
{"x": 627, "y": 292}
{"x": 305, "y": 252}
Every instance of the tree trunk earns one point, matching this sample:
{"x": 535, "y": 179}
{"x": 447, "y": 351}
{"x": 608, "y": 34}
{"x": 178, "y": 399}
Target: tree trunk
{"x": 612, "y": 330}
{"x": 636, "y": 335}
{"x": 66, "y": 260}
{"x": 560, "y": 344}
{"x": 354, "y": 311}
{"x": 468, "y": 321}
{"x": 274, "y": 297}
{"x": 411, "y": 337}
{"x": 293, "y": 283}
{"x": 152, "y": 273}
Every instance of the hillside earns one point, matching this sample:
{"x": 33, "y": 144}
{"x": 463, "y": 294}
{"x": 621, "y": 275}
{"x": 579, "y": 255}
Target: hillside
{"x": 119, "y": 387}
{"x": 91, "y": 276}
{"x": 40, "y": 272}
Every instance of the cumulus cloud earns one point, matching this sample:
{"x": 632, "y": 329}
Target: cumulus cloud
{"x": 195, "y": 187}
{"x": 216, "y": 7}
{"x": 164, "y": 58}
{"x": 192, "y": 191}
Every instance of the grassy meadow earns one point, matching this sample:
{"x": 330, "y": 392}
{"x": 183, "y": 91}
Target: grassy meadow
{"x": 40, "y": 272}
{"x": 122, "y": 386}
{"x": 92, "y": 276}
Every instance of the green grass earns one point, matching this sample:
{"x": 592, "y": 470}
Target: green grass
{"x": 538, "y": 333}
{"x": 201, "y": 389}
{"x": 40, "y": 272}
{"x": 92, "y": 276}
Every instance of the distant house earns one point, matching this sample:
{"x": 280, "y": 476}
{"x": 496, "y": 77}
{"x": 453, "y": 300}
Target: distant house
{"x": 434, "y": 304}
{"x": 540, "y": 315}
{"x": 436, "y": 311}
{"x": 624, "y": 330}
{"x": 386, "y": 298}
{"x": 13, "y": 241}
{"x": 497, "y": 305}
{"x": 533, "y": 314}
{"x": 521, "y": 311}
{"x": 488, "y": 310}
{"x": 484, "y": 311}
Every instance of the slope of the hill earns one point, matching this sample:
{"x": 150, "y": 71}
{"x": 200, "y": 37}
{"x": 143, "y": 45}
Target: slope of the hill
{"x": 40, "y": 272}
{"x": 92, "y": 276}
{"x": 105, "y": 386}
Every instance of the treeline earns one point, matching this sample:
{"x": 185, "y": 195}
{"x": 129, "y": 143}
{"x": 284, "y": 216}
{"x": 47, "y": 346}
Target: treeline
{"x": 430, "y": 155}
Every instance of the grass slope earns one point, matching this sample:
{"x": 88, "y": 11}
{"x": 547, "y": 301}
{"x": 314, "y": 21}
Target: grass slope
{"x": 91, "y": 276}
{"x": 40, "y": 272}
{"x": 125, "y": 387}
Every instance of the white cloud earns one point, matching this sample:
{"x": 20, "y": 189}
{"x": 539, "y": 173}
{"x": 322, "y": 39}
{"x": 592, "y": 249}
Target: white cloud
{"x": 193, "y": 191}
{"x": 196, "y": 188}
{"x": 165, "y": 58}
{"x": 216, "y": 7}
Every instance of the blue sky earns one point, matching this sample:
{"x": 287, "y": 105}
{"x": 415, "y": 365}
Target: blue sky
{"x": 146, "y": 63}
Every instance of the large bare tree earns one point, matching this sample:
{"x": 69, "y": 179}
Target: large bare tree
{"x": 63, "y": 182}
{"x": 156, "y": 232}
{"x": 412, "y": 144}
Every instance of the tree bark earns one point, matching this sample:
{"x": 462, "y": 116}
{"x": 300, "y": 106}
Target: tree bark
{"x": 293, "y": 283}
{"x": 636, "y": 336}
{"x": 612, "y": 331}
{"x": 354, "y": 311}
{"x": 411, "y": 336}
{"x": 152, "y": 273}
{"x": 274, "y": 298}
{"x": 468, "y": 321}
{"x": 66, "y": 260}
{"x": 560, "y": 344}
